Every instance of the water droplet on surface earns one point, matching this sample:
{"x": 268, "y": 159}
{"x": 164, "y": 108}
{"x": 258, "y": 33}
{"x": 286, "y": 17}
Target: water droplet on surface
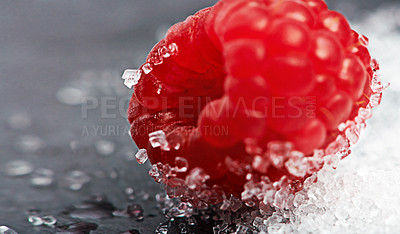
{"x": 17, "y": 168}
{"x": 120, "y": 213}
{"x": 49, "y": 220}
{"x": 90, "y": 213}
{"x": 35, "y": 220}
{"x": 7, "y": 230}
{"x": 71, "y": 96}
{"x": 141, "y": 156}
{"x": 104, "y": 147}
{"x": 74, "y": 180}
{"x": 131, "y": 197}
{"x": 77, "y": 228}
{"x": 143, "y": 195}
{"x": 20, "y": 121}
{"x": 135, "y": 211}
{"x": 42, "y": 177}
{"x": 29, "y": 143}
{"x": 158, "y": 139}
{"x": 98, "y": 207}
{"x": 131, "y": 77}
{"x": 129, "y": 191}
{"x": 74, "y": 145}
{"x": 131, "y": 231}
{"x": 114, "y": 174}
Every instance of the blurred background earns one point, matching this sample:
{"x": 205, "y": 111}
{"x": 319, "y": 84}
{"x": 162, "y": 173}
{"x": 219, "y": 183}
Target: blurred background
{"x": 63, "y": 128}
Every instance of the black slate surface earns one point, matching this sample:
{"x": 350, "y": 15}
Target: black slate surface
{"x": 46, "y": 46}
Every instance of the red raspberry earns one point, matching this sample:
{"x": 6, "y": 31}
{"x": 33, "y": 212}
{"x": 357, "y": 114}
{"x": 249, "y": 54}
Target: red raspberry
{"x": 249, "y": 71}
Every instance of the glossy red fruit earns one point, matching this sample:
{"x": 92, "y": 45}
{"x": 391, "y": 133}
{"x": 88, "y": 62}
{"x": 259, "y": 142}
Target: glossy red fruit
{"x": 216, "y": 115}
{"x": 286, "y": 36}
{"x": 316, "y": 6}
{"x": 289, "y": 75}
{"x": 289, "y": 114}
{"x": 294, "y": 10}
{"x": 240, "y": 24}
{"x": 206, "y": 48}
{"x": 244, "y": 57}
{"x": 324, "y": 87}
{"x": 337, "y": 24}
{"x": 245, "y": 121}
{"x": 362, "y": 53}
{"x": 245, "y": 74}
{"x": 310, "y": 136}
{"x": 352, "y": 76}
{"x": 326, "y": 53}
{"x": 336, "y": 110}
{"x": 259, "y": 97}
{"x": 183, "y": 34}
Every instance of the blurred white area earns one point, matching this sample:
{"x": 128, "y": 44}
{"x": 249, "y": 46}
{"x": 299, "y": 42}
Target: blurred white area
{"x": 379, "y": 145}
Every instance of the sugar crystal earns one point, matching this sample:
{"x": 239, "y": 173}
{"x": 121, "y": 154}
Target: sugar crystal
{"x": 147, "y": 68}
{"x": 141, "y": 156}
{"x": 131, "y": 77}
{"x": 158, "y": 139}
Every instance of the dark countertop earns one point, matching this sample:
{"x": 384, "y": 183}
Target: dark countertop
{"x": 47, "y": 47}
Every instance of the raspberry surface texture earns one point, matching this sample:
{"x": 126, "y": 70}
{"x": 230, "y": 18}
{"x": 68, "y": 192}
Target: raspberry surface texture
{"x": 251, "y": 90}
